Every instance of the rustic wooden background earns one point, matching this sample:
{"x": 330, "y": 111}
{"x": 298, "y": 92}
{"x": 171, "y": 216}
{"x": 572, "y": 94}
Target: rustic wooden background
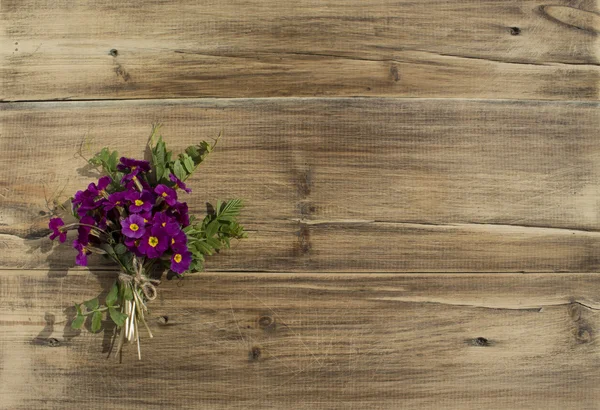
{"x": 422, "y": 181}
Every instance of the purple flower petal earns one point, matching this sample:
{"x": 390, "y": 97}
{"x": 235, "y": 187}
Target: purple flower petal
{"x": 140, "y": 201}
{"x": 167, "y": 194}
{"x": 166, "y": 223}
{"x": 179, "y": 241}
{"x": 180, "y": 212}
{"x": 179, "y": 183}
{"x": 154, "y": 243}
{"x": 133, "y": 226}
{"x": 180, "y": 261}
{"x": 54, "y": 225}
{"x": 81, "y": 258}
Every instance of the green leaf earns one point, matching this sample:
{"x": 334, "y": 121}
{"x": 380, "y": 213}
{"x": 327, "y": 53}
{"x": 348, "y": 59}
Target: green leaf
{"x": 78, "y": 308}
{"x": 158, "y": 153}
{"x": 127, "y": 293}
{"x": 96, "y": 321}
{"x": 211, "y": 228}
{"x": 126, "y": 259}
{"x": 203, "y": 248}
{"x": 91, "y": 304}
{"x": 111, "y": 298}
{"x": 78, "y": 321}
{"x": 107, "y": 160}
{"x": 193, "y": 152}
{"x": 117, "y": 317}
{"x": 120, "y": 249}
{"x": 231, "y": 209}
{"x": 113, "y": 161}
{"x": 214, "y": 243}
{"x": 188, "y": 162}
{"x": 179, "y": 171}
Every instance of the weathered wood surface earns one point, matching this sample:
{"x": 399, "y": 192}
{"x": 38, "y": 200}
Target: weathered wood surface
{"x": 270, "y": 48}
{"x": 337, "y": 184}
{"x": 311, "y": 341}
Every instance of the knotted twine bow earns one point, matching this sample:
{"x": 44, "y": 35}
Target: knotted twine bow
{"x": 147, "y": 285}
{"x": 148, "y": 288}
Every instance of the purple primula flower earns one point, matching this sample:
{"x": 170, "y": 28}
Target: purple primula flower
{"x": 115, "y": 199}
{"x": 81, "y": 258}
{"x": 147, "y": 215}
{"x": 132, "y": 244}
{"x": 179, "y": 183}
{"x": 133, "y": 226}
{"x": 55, "y": 224}
{"x": 167, "y": 223}
{"x": 101, "y": 221}
{"x": 154, "y": 243}
{"x": 181, "y": 260}
{"x": 84, "y": 229}
{"x": 168, "y": 194}
{"x": 140, "y": 201}
{"x": 86, "y": 201}
{"x": 132, "y": 167}
{"x": 102, "y": 184}
{"x": 179, "y": 241}
{"x": 180, "y": 212}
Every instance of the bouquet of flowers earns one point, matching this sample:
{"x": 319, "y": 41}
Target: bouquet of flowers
{"x": 134, "y": 216}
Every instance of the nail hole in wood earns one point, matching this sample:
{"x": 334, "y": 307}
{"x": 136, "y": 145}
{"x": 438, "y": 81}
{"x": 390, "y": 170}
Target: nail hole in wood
{"x": 113, "y": 52}
{"x": 515, "y": 31}
{"x": 163, "y": 320}
{"x": 254, "y": 353}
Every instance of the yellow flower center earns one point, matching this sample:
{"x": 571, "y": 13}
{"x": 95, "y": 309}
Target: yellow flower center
{"x": 164, "y": 194}
{"x": 172, "y": 241}
{"x": 163, "y": 224}
{"x": 133, "y": 168}
{"x": 118, "y": 203}
{"x": 139, "y": 202}
{"x": 134, "y": 227}
{"x": 153, "y": 241}
{"x": 145, "y": 220}
{"x": 177, "y": 258}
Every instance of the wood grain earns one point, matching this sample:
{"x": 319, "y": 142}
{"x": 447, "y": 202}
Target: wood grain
{"x": 266, "y": 48}
{"x": 337, "y": 184}
{"x": 310, "y": 341}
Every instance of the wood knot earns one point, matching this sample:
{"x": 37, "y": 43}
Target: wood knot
{"x": 304, "y": 244}
{"x": 394, "y": 73}
{"x": 265, "y": 321}
{"x": 163, "y": 320}
{"x": 584, "y": 334}
{"x": 480, "y": 341}
{"x": 515, "y": 31}
{"x": 52, "y": 342}
{"x": 304, "y": 181}
{"x": 572, "y": 17}
{"x": 306, "y": 209}
{"x": 254, "y": 353}
{"x": 113, "y": 52}
{"x": 575, "y": 311}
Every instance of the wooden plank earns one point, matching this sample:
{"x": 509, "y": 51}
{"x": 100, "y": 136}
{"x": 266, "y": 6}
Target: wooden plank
{"x": 337, "y": 184}
{"x": 239, "y": 48}
{"x": 311, "y": 341}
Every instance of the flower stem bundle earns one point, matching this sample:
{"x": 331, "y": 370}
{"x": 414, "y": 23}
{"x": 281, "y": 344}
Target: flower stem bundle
{"x": 134, "y": 216}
